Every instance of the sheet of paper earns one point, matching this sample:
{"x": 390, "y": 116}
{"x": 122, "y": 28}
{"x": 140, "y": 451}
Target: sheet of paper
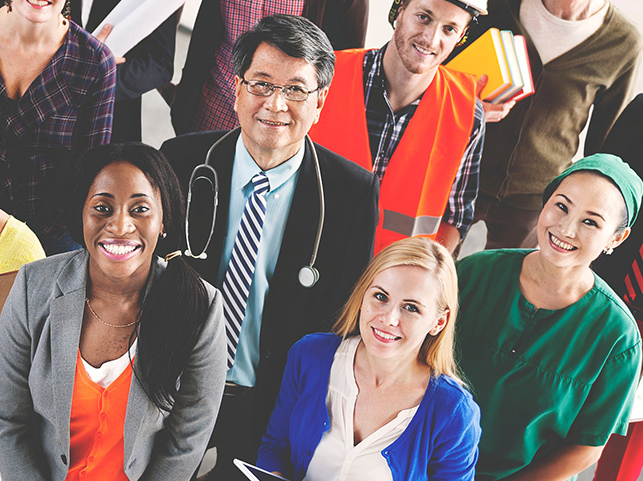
{"x": 133, "y": 20}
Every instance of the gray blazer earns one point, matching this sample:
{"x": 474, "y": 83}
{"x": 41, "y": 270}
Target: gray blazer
{"x": 39, "y": 336}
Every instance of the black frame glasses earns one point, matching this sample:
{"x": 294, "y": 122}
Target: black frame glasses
{"x": 261, "y": 88}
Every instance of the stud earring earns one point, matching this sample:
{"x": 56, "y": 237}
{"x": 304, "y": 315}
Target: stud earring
{"x": 608, "y": 251}
{"x": 163, "y": 235}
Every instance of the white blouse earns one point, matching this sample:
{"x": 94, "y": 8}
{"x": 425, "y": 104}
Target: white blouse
{"x": 337, "y": 458}
{"x": 109, "y": 371}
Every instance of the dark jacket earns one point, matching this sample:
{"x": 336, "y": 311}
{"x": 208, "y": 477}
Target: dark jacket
{"x": 290, "y": 310}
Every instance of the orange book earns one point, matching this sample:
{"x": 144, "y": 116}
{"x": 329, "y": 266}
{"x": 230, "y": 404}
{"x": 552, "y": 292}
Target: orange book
{"x": 485, "y": 56}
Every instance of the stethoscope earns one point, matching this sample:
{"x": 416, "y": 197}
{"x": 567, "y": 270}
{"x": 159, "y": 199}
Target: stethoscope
{"x": 308, "y": 275}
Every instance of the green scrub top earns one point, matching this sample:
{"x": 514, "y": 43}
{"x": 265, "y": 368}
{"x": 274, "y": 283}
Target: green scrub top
{"x": 542, "y": 377}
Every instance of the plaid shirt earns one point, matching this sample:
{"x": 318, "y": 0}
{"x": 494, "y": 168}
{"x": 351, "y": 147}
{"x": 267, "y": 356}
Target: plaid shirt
{"x": 385, "y": 129}
{"x": 66, "y": 110}
{"x": 215, "y": 110}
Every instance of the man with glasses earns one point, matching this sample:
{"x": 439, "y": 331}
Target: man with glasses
{"x": 398, "y": 112}
{"x": 267, "y": 222}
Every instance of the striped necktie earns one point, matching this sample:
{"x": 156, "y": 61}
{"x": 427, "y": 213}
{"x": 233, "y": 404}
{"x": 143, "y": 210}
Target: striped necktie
{"x": 241, "y": 268}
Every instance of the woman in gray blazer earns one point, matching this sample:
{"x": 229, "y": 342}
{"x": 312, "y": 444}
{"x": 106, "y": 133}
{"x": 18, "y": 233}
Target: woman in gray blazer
{"x": 112, "y": 361}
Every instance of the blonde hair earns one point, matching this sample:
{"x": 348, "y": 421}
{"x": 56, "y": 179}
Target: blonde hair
{"x": 436, "y": 351}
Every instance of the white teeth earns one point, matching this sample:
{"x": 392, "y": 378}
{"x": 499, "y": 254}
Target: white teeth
{"x": 38, "y": 3}
{"x": 560, "y": 243}
{"x": 118, "y": 250}
{"x": 384, "y": 335}
{"x": 269, "y": 122}
{"x": 423, "y": 50}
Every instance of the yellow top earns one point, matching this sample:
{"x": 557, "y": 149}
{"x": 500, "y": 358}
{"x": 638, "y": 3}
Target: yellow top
{"x": 18, "y": 245}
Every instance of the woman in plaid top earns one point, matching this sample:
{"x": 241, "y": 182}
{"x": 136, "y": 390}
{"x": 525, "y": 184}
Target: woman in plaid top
{"x": 56, "y": 100}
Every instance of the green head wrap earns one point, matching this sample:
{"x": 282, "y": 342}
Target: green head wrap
{"x": 612, "y": 167}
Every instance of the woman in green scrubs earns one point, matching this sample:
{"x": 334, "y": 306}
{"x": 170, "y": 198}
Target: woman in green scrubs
{"x": 549, "y": 349}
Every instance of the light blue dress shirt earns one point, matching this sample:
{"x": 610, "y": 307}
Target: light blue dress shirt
{"x": 283, "y": 180}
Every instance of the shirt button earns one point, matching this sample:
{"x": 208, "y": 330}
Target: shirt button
{"x": 99, "y": 434}
{"x": 276, "y": 196}
{"x": 90, "y": 459}
{"x": 103, "y": 416}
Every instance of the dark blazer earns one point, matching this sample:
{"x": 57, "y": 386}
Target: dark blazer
{"x": 149, "y": 65}
{"x": 344, "y": 21}
{"x": 626, "y": 140}
{"x": 290, "y": 311}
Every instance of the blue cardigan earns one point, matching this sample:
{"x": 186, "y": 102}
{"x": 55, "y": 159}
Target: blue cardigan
{"x": 440, "y": 443}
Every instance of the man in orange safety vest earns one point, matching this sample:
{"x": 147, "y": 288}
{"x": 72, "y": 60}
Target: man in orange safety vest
{"x": 416, "y": 124}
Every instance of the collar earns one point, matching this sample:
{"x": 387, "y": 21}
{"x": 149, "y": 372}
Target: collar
{"x": 245, "y": 168}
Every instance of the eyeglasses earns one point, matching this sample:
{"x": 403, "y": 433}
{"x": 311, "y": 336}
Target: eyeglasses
{"x": 296, "y": 93}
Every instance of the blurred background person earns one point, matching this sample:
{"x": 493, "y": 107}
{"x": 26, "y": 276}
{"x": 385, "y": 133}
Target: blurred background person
{"x": 112, "y": 361}
{"x": 56, "y": 101}
{"x": 584, "y": 56}
{"x": 147, "y": 66}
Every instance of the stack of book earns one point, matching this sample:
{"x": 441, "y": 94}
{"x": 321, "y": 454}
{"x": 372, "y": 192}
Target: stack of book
{"x": 503, "y": 57}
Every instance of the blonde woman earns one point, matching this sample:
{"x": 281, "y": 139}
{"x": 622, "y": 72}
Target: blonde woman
{"x": 380, "y": 399}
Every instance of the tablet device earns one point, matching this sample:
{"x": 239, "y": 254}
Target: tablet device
{"x": 256, "y": 474}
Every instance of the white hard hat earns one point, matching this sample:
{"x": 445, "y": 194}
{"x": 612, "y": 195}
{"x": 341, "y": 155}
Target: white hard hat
{"x": 474, "y": 7}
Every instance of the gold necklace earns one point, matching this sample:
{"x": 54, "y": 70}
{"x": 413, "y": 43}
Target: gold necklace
{"x": 106, "y": 323}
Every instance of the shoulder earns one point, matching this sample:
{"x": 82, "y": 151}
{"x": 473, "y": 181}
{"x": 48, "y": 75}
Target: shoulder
{"x": 489, "y": 261}
{"x": 41, "y": 281}
{"x": 89, "y": 51}
{"x": 455, "y": 400}
{"x": 342, "y": 171}
{"x": 621, "y": 26}
{"x": 314, "y": 349}
{"x": 192, "y": 143}
{"x": 45, "y": 271}
{"x": 617, "y": 324}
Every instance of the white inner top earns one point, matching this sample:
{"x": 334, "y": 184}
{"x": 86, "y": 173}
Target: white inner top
{"x": 109, "y": 371}
{"x": 336, "y": 456}
{"x": 554, "y": 36}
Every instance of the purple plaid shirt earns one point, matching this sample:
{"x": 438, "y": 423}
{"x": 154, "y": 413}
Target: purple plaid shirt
{"x": 66, "y": 110}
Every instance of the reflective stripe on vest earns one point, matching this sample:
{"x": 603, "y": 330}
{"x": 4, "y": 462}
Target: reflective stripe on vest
{"x": 410, "y": 226}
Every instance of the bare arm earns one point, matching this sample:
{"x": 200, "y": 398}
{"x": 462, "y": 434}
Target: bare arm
{"x": 448, "y": 236}
{"x": 560, "y": 465}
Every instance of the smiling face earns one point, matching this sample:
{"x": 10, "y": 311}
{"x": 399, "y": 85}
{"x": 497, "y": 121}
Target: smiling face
{"x": 580, "y": 220}
{"x": 398, "y": 311}
{"x": 122, "y": 221}
{"x": 272, "y": 128}
{"x": 426, "y": 33}
{"x": 39, "y": 11}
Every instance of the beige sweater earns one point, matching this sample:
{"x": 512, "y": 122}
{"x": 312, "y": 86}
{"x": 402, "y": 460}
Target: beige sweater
{"x": 539, "y": 137}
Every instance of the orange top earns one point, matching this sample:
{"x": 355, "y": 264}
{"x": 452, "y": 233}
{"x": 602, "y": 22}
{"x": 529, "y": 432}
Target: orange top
{"x": 418, "y": 180}
{"x": 96, "y": 427}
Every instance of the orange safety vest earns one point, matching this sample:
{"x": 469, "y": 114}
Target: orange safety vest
{"x": 96, "y": 427}
{"x": 416, "y": 186}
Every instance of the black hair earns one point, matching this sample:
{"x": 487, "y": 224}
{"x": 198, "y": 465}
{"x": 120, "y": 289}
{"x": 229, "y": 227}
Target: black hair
{"x": 176, "y": 307}
{"x": 297, "y": 37}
